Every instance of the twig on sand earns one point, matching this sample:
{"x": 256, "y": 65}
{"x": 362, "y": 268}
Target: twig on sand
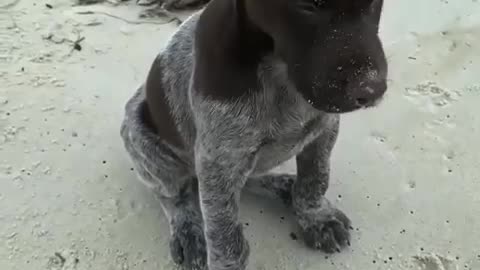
{"x": 75, "y": 43}
{"x": 90, "y": 12}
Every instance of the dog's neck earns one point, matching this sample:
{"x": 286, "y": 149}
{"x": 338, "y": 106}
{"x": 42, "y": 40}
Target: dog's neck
{"x": 229, "y": 46}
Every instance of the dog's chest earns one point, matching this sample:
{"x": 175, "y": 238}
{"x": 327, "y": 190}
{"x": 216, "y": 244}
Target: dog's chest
{"x": 288, "y": 122}
{"x": 283, "y": 145}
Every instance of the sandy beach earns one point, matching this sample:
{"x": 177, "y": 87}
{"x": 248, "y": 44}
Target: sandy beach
{"x": 407, "y": 172}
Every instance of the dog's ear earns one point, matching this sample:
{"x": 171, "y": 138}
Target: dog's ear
{"x": 376, "y": 11}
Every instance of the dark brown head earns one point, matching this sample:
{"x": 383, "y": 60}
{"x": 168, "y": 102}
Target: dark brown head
{"x": 331, "y": 47}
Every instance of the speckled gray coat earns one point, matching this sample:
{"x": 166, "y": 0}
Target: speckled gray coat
{"x": 229, "y": 146}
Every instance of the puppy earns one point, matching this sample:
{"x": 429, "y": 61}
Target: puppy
{"x": 241, "y": 87}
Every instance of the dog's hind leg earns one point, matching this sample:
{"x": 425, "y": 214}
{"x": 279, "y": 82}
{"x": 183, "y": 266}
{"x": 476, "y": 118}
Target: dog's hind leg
{"x": 168, "y": 173}
{"x": 187, "y": 243}
{"x": 275, "y": 186}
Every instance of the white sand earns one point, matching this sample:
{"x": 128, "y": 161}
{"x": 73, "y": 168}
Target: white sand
{"x": 407, "y": 172}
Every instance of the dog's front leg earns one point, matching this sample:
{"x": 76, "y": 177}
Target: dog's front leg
{"x": 324, "y": 226}
{"x": 222, "y": 173}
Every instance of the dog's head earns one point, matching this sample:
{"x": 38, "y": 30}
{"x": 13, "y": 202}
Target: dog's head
{"x": 331, "y": 47}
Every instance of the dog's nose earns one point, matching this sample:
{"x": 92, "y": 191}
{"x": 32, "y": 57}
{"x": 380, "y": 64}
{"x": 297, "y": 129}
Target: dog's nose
{"x": 366, "y": 93}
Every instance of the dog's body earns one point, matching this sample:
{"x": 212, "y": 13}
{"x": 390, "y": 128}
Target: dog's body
{"x": 200, "y": 129}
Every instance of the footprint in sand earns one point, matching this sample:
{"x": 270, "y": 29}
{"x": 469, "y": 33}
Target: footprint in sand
{"x": 431, "y": 96}
{"x": 434, "y": 262}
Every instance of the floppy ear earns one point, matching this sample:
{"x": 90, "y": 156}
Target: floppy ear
{"x": 376, "y": 11}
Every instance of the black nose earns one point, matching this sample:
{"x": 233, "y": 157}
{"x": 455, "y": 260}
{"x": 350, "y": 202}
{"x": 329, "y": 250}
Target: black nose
{"x": 367, "y": 93}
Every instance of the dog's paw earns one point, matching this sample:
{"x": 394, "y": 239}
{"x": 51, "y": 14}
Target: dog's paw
{"x": 325, "y": 229}
{"x": 188, "y": 247}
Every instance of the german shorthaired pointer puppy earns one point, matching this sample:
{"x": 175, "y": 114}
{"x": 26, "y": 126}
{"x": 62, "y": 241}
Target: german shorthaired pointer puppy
{"x": 241, "y": 87}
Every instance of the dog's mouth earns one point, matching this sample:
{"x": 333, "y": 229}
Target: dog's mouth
{"x": 366, "y": 104}
{"x": 347, "y": 106}
{"x": 375, "y": 103}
